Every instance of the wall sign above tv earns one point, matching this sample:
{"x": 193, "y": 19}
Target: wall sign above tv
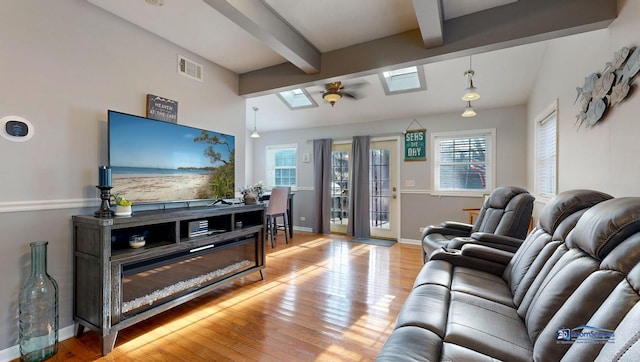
{"x": 162, "y": 109}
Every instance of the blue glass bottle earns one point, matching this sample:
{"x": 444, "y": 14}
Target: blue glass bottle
{"x": 38, "y": 309}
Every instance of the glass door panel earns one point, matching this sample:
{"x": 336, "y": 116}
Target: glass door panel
{"x": 340, "y": 167}
{"x": 382, "y": 189}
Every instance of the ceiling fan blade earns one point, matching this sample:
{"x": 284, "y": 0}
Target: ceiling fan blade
{"x": 349, "y": 95}
{"x": 357, "y": 85}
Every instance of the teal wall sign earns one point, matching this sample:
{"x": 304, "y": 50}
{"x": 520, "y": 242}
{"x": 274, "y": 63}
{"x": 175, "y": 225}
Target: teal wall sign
{"x": 415, "y": 145}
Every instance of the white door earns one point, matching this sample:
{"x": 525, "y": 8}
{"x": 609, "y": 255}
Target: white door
{"x": 383, "y": 189}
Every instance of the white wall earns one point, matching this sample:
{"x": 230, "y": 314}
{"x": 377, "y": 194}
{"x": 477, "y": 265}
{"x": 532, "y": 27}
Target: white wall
{"x": 603, "y": 157}
{"x": 63, "y": 64}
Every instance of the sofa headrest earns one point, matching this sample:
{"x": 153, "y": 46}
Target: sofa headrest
{"x": 624, "y": 257}
{"x": 564, "y": 228}
{"x": 566, "y": 203}
{"x": 501, "y": 196}
{"x": 605, "y": 226}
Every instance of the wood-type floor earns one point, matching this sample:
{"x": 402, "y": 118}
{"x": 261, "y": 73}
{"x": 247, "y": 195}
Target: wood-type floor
{"x": 323, "y": 299}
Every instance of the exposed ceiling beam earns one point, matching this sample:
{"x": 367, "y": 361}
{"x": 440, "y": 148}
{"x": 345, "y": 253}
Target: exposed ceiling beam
{"x": 429, "y": 15}
{"x": 258, "y": 20}
{"x": 522, "y": 22}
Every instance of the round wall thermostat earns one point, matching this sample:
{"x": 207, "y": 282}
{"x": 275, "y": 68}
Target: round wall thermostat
{"x": 15, "y": 128}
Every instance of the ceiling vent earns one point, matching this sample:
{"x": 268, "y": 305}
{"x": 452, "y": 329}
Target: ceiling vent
{"x": 189, "y": 68}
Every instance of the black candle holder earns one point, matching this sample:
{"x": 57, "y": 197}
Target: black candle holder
{"x": 105, "y": 210}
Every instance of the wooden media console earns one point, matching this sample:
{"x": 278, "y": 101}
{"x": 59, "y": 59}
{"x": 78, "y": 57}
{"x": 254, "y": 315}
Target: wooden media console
{"x": 188, "y": 252}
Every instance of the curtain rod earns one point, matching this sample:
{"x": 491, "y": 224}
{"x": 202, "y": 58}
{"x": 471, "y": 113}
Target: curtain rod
{"x": 372, "y": 136}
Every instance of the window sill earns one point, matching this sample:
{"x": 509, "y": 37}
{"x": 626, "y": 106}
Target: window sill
{"x": 543, "y": 199}
{"x": 479, "y": 193}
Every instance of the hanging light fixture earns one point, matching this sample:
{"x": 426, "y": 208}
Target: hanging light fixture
{"x": 255, "y": 133}
{"x": 470, "y": 93}
{"x": 469, "y": 112}
{"x": 333, "y": 94}
{"x": 331, "y": 97}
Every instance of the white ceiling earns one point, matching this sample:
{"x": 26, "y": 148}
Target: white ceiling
{"x": 503, "y": 77}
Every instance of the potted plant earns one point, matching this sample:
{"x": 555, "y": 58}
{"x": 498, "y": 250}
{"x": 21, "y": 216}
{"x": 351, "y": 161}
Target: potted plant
{"x": 249, "y": 197}
{"x": 251, "y": 194}
{"x": 123, "y": 206}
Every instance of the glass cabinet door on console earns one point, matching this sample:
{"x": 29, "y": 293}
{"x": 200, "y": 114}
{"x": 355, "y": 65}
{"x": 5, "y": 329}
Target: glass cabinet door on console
{"x": 148, "y": 283}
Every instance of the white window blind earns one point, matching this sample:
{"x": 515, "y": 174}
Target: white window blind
{"x": 463, "y": 162}
{"x": 282, "y": 164}
{"x": 546, "y": 153}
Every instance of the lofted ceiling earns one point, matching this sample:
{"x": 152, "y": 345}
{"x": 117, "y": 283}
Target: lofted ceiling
{"x": 284, "y": 44}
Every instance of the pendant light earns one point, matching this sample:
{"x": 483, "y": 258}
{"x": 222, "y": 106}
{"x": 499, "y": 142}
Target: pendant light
{"x": 469, "y": 112}
{"x": 255, "y": 133}
{"x": 470, "y": 93}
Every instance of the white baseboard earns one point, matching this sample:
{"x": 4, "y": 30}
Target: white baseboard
{"x": 410, "y": 241}
{"x": 302, "y": 228}
{"x": 12, "y": 353}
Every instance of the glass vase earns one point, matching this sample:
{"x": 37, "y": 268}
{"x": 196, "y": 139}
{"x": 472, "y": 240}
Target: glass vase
{"x": 38, "y": 309}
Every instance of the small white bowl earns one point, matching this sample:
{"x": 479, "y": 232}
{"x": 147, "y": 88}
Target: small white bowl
{"x": 137, "y": 244}
{"x": 136, "y": 241}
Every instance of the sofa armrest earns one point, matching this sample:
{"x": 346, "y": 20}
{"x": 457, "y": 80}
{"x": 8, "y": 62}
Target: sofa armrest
{"x": 487, "y": 253}
{"x": 501, "y": 242}
{"x": 444, "y": 231}
{"x": 457, "y": 226}
{"x": 456, "y": 258}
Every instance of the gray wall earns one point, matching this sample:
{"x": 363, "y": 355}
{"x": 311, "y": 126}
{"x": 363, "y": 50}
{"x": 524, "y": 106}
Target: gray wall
{"x": 418, "y": 207}
{"x": 63, "y": 65}
{"x": 603, "y": 157}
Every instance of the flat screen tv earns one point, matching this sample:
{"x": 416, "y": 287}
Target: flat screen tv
{"x": 154, "y": 161}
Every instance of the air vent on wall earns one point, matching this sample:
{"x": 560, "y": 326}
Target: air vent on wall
{"x": 189, "y": 68}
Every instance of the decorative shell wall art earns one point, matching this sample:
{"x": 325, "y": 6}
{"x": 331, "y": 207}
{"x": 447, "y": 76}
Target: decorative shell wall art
{"x": 608, "y": 89}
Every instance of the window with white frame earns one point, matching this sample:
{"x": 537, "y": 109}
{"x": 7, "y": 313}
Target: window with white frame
{"x": 463, "y": 162}
{"x": 546, "y": 153}
{"x": 282, "y": 164}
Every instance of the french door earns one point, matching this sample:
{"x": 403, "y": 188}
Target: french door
{"x": 383, "y": 175}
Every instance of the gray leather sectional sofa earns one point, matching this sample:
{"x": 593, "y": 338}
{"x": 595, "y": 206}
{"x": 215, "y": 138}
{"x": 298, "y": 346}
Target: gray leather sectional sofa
{"x": 506, "y": 212}
{"x": 570, "y": 292}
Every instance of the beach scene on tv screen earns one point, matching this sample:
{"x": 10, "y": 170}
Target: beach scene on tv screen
{"x": 155, "y": 161}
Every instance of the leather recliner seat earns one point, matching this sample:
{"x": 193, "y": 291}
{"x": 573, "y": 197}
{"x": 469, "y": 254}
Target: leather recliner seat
{"x": 506, "y": 212}
{"x": 578, "y": 270}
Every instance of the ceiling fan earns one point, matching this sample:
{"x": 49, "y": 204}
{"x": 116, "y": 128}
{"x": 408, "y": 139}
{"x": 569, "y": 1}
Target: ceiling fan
{"x": 335, "y": 91}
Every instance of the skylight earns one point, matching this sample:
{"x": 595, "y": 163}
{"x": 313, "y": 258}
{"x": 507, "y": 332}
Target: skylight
{"x": 297, "y": 99}
{"x": 403, "y": 80}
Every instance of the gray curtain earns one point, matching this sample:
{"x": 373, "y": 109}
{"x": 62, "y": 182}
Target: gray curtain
{"x": 322, "y": 185}
{"x": 358, "y": 224}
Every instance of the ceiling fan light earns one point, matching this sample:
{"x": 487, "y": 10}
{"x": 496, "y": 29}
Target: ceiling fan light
{"x": 468, "y": 111}
{"x": 331, "y": 97}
